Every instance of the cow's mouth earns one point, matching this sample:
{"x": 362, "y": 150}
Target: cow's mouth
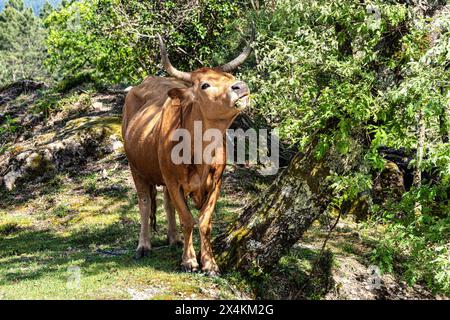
{"x": 242, "y": 102}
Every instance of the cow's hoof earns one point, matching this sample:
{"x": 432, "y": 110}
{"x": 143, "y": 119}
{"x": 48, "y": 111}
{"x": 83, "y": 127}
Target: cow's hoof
{"x": 212, "y": 273}
{"x": 142, "y": 252}
{"x": 189, "y": 267}
{"x": 209, "y": 266}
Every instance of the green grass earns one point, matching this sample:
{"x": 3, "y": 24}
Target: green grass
{"x": 80, "y": 222}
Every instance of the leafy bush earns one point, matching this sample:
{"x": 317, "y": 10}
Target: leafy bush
{"x": 417, "y": 246}
{"x": 331, "y": 71}
{"x": 116, "y": 41}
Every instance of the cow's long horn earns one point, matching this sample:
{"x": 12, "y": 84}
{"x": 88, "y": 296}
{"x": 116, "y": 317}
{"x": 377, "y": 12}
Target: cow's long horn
{"x": 236, "y": 62}
{"x": 186, "y": 76}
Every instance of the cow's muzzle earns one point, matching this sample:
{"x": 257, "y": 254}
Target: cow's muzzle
{"x": 241, "y": 92}
{"x": 240, "y": 87}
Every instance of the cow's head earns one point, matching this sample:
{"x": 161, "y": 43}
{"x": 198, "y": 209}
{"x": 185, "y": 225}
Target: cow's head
{"x": 218, "y": 94}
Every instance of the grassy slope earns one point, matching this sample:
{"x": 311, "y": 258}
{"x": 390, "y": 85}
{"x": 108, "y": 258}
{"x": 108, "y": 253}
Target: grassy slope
{"x": 90, "y": 220}
{"x": 84, "y": 222}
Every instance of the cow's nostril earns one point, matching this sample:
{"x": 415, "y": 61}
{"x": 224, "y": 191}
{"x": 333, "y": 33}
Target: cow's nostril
{"x": 235, "y": 88}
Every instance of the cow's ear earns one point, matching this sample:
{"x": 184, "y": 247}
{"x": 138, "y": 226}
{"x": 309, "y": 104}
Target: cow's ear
{"x": 178, "y": 95}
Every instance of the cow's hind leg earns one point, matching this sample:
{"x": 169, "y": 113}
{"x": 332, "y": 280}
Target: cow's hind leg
{"x": 144, "y": 202}
{"x": 189, "y": 261}
{"x": 172, "y": 234}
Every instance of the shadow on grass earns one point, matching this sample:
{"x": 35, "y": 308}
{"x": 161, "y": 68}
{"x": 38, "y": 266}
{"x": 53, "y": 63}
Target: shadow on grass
{"x": 32, "y": 254}
{"x": 40, "y": 255}
{"x": 27, "y": 254}
{"x": 48, "y": 184}
{"x": 51, "y": 183}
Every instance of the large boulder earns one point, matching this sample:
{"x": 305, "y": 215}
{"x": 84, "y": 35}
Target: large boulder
{"x": 389, "y": 184}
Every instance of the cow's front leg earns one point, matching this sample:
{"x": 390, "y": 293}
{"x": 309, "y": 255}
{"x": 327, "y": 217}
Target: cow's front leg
{"x": 144, "y": 245}
{"x": 209, "y": 265}
{"x": 189, "y": 261}
{"x": 144, "y": 203}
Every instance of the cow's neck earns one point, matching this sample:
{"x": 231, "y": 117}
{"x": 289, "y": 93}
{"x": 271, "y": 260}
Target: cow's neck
{"x": 194, "y": 114}
{"x": 203, "y": 172}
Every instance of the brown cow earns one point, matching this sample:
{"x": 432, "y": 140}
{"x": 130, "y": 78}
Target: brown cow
{"x": 152, "y": 112}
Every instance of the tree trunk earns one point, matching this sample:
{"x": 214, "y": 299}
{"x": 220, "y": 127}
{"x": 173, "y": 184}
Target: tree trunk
{"x": 269, "y": 226}
{"x": 419, "y": 156}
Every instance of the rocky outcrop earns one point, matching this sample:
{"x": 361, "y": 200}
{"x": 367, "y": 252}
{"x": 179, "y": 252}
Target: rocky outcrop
{"x": 86, "y": 129}
{"x": 13, "y": 90}
{"x": 80, "y": 141}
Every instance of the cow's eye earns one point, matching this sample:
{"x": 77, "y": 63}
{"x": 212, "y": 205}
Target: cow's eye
{"x": 205, "y": 86}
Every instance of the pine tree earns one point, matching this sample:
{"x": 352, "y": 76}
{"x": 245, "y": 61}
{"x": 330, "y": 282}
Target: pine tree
{"x": 22, "y": 49}
{"x": 46, "y": 10}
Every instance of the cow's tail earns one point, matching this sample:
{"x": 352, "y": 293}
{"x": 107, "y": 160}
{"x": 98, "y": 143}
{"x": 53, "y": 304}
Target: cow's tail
{"x": 153, "y": 208}
{"x": 153, "y": 221}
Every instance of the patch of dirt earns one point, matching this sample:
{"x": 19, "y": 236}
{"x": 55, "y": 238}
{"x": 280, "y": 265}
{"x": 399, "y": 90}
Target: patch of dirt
{"x": 353, "y": 281}
{"x": 146, "y": 294}
{"x": 343, "y": 272}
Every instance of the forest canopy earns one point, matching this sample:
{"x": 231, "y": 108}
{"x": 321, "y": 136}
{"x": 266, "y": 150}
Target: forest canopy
{"x": 329, "y": 75}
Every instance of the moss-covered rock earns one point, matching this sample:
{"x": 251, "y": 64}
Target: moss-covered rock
{"x": 62, "y": 143}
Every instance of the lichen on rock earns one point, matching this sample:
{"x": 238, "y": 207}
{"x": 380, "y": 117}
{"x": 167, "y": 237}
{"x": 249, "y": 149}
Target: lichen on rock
{"x": 62, "y": 143}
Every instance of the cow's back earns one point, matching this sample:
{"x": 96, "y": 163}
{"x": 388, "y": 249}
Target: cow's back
{"x": 141, "y": 116}
{"x": 150, "y": 94}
